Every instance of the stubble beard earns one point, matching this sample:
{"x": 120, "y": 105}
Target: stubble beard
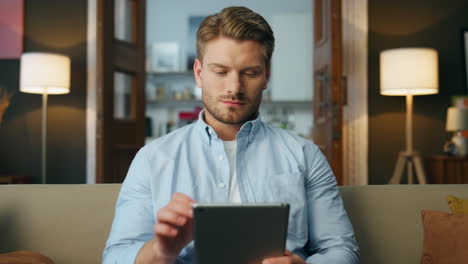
{"x": 232, "y": 115}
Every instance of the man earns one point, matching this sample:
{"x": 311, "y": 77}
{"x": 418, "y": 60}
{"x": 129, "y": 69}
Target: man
{"x": 229, "y": 155}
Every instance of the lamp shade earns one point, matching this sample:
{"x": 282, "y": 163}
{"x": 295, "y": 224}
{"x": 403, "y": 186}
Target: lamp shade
{"x": 409, "y": 71}
{"x": 457, "y": 119}
{"x": 44, "y": 73}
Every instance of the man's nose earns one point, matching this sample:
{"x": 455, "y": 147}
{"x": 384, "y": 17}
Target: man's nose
{"x": 234, "y": 84}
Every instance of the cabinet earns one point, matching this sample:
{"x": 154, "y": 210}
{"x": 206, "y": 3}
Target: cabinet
{"x": 447, "y": 170}
{"x": 167, "y": 86}
{"x": 170, "y": 95}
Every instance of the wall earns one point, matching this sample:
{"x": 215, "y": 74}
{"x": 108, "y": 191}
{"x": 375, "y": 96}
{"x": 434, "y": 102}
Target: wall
{"x": 413, "y": 23}
{"x": 49, "y": 26}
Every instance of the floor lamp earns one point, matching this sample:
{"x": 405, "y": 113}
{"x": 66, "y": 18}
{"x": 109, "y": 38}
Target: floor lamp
{"x": 44, "y": 73}
{"x": 408, "y": 72}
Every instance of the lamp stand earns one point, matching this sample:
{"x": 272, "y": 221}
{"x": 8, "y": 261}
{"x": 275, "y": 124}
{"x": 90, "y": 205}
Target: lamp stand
{"x": 409, "y": 158}
{"x": 44, "y": 137}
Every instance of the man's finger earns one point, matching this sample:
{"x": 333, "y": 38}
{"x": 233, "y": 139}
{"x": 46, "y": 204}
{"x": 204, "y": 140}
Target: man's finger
{"x": 171, "y": 217}
{"x": 181, "y": 208}
{"x": 278, "y": 260}
{"x": 179, "y": 202}
{"x": 182, "y": 198}
{"x": 166, "y": 230}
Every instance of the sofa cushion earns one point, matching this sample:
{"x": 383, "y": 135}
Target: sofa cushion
{"x": 457, "y": 205}
{"x": 445, "y": 237}
{"x": 24, "y": 257}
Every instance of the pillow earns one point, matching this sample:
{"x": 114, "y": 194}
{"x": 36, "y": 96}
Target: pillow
{"x": 24, "y": 257}
{"x": 457, "y": 205}
{"x": 445, "y": 237}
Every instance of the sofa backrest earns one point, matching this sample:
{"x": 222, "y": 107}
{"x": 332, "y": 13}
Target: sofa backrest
{"x": 67, "y": 223}
{"x": 70, "y": 223}
{"x": 387, "y": 218}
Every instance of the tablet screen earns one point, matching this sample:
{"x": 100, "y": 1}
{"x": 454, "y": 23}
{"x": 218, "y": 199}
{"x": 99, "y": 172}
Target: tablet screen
{"x": 239, "y": 233}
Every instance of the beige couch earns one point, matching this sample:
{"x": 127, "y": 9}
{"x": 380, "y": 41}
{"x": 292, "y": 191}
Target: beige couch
{"x": 70, "y": 223}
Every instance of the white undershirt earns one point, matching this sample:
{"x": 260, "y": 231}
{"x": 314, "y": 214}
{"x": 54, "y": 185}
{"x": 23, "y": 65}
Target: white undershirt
{"x": 231, "y": 149}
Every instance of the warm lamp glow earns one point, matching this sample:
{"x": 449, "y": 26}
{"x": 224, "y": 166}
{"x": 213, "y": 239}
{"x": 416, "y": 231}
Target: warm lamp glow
{"x": 409, "y": 71}
{"x": 45, "y": 73}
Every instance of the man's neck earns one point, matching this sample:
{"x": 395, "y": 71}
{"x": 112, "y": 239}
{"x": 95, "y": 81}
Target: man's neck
{"x": 226, "y": 132}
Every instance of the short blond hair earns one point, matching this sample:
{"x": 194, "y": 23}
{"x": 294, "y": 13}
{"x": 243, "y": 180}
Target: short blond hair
{"x": 238, "y": 23}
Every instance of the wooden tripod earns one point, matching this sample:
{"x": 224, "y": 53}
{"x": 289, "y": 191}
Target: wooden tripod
{"x": 410, "y": 158}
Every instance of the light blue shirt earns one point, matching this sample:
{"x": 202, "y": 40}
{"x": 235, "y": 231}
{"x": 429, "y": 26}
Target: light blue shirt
{"x": 273, "y": 166}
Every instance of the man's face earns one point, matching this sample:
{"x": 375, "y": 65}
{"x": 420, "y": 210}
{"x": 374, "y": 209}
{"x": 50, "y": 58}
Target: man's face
{"x": 232, "y": 76}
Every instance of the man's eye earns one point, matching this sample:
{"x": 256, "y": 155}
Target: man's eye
{"x": 251, "y": 73}
{"x": 221, "y": 73}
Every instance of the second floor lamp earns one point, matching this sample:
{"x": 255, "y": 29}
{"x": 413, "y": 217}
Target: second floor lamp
{"x": 409, "y": 72}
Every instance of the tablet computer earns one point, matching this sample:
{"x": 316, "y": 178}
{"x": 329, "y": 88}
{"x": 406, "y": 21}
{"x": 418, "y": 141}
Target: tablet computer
{"x": 239, "y": 233}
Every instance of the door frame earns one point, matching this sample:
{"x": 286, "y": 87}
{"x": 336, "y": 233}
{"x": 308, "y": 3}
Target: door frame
{"x": 355, "y": 72}
{"x": 355, "y": 113}
{"x": 91, "y": 96}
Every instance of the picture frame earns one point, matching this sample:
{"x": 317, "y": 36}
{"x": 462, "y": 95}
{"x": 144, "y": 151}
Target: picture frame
{"x": 165, "y": 57}
{"x": 11, "y": 28}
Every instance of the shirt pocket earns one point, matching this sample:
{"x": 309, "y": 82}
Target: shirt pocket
{"x": 288, "y": 187}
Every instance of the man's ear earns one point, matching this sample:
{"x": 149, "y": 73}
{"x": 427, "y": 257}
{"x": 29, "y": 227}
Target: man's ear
{"x": 197, "y": 69}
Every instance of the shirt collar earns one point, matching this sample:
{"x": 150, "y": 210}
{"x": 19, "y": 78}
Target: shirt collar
{"x": 248, "y": 129}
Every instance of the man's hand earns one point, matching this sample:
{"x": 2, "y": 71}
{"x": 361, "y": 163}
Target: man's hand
{"x": 174, "y": 227}
{"x": 172, "y": 232}
{"x": 288, "y": 258}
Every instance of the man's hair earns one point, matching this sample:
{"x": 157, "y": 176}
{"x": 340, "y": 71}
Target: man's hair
{"x": 238, "y": 23}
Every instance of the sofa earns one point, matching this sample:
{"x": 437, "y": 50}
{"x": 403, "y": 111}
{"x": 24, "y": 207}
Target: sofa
{"x": 70, "y": 223}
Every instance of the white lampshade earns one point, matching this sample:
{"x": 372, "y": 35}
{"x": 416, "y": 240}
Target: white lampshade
{"x": 44, "y": 72}
{"x": 457, "y": 119}
{"x": 409, "y": 71}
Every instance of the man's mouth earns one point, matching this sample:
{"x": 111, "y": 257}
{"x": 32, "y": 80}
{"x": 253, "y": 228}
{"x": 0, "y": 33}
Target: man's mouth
{"x": 233, "y": 103}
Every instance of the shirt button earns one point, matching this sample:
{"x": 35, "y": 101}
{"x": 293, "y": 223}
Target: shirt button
{"x": 220, "y": 157}
{"x": 221, "y": 185}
